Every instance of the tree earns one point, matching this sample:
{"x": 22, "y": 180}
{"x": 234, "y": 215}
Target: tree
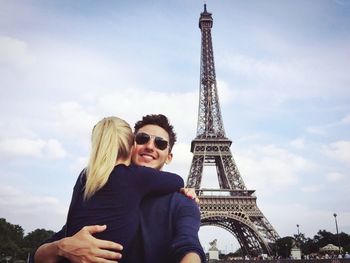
{"x": 284, "y": 245}
{"x": 326, "y": 238}
{"x": 11, "y": 237}
{"x": 34, "y": 239}
{"x": 12, "y": 242}
{"x": 345, "y": 241}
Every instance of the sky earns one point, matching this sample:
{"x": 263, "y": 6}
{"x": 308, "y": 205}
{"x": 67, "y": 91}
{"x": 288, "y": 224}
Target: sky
{"x": 283, "y": 79}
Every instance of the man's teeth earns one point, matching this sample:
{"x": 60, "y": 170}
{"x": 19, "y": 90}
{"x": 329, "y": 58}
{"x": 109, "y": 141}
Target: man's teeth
{"x": 146, "y": 156}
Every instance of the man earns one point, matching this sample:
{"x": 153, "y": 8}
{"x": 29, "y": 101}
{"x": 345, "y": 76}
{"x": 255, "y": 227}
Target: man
{"x": 169, "y": 224}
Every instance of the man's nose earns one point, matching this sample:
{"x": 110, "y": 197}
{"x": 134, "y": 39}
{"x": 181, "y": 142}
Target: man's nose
{"x": 150, "y": 144}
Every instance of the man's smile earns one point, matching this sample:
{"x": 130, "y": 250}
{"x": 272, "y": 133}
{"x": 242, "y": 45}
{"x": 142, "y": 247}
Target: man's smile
{"x": 147, "y": 156}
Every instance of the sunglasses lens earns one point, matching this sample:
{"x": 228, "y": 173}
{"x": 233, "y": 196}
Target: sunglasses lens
{"x": 142, "y": 138}
{"x": 160, "y": 143}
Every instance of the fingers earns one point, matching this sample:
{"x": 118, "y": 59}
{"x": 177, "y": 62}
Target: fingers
{"x": 98, "y": 257}
{"x": 189, "y": 192}
{"x": 94, "y": 229}
{"x": 196, "y": 199}
{"x": 109, "y": 245}
{"x": 102, "y": 243}
{"x": 107, "y": 255}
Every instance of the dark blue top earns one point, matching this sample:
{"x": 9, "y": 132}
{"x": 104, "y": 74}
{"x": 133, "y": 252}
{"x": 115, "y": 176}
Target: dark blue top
{"x": 168, "y": 230}
{"x": 117, "y": 203}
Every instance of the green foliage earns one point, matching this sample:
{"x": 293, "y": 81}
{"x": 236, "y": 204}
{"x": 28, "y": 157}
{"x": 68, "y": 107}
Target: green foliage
{"x": 284, "y": 245}
{"x": 34, "y": 239}
{"x": 11, "y": 237}
{"x": 311, "y": 245}
{"x": 13, "y": 243}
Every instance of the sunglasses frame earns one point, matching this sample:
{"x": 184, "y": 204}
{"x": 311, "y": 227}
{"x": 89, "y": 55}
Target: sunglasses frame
{"x": 156, "y": 140}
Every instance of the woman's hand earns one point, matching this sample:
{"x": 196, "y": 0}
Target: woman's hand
{"x": 190, "y": 193}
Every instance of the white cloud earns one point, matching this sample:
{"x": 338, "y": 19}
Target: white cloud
{"x": 54, "y": 149}
{"x": 12, "y": 198}
{"x": 335, "y": 177}
{"x": 265, "y": 168}
{"x": 288, "y": 71}
{"x": 249, "y": 66}
{"x": 15, "y": 53}
{"x": 76, "y": 118}
{"x": 345, "y": 120}
{"x": 311, "y": 188}
{"x": 21, "y": 207}
{"x": 325, "y": 128}
{"x": 78, "y": 164}
{"x": 339, "y": 150}
{"x": 316, "y": 130}
{"x": 285, "y": 217}
{"x": 181, "y": 162}
{"x": 225, "y": 93}
{"x": 23, "y": 147}
{"x": 131, "y": 104}
{"x": 298, "y": 143}
{"x": 73, "y": 120}
{"x": 270, "y": 168}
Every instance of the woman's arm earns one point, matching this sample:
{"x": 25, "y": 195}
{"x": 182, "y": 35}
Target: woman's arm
{"x": 152, "y": 181}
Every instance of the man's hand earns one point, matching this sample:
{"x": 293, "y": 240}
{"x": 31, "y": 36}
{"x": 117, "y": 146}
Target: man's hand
{"x": 83, "y": 247}
{"x": 191, "y": 258}
{"x": 190, "y": 193}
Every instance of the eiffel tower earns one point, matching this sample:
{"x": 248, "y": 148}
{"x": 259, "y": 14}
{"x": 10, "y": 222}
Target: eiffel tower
{"x": 231, "y": 207}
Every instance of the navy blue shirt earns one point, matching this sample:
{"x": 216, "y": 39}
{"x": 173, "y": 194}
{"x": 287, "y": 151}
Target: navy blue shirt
{"x": 117, "y": 203}
{"x": 168, "y": 230}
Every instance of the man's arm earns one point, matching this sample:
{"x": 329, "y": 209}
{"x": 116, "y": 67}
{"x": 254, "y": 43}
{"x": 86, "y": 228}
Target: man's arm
{"x": 57, "y": 236}
{"x": 185, "y": 247}
{"x": 82, "y": 247}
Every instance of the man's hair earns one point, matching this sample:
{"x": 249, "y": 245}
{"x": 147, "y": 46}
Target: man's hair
{"x": 161, "y": 121}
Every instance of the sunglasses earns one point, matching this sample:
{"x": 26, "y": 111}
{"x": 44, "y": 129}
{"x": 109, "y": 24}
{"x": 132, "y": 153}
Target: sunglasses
{"x": 143, "y": 138}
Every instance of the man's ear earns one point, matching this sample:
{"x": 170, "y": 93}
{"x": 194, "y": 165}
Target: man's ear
{"x": 169, "y": 158}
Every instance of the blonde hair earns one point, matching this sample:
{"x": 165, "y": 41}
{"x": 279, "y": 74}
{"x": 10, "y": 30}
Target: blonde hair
{"x": 111, "y": 140}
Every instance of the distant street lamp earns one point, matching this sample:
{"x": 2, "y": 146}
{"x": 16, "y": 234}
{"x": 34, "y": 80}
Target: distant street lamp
{"x": 298, "y": 243}
{"x": 298, "y": 229}
{"x": 336, "y": 226}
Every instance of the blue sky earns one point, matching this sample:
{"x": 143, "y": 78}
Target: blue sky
{"x": 283, "y": 78}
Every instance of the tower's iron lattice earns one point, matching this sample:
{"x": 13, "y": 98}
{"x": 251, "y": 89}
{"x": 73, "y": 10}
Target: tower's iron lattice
{"x": 231, "y": 207}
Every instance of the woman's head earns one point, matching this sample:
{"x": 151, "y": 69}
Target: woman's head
{"x": 111, "y": 140}
{"x": 112, "y": 135}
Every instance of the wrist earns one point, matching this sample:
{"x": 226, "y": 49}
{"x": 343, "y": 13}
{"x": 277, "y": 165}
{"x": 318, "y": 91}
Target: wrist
{"x": 59, "y": 247}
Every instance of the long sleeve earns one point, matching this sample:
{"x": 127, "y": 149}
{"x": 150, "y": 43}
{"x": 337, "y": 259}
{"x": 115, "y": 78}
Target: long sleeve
{"x": 152, "y": 181}
{"x": 185, "y": 239}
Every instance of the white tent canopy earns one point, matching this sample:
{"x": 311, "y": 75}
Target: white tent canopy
{"x": 330, "y": 247}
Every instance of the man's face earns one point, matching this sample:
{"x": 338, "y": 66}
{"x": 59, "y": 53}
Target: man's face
{"x": 148, "y": 154}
